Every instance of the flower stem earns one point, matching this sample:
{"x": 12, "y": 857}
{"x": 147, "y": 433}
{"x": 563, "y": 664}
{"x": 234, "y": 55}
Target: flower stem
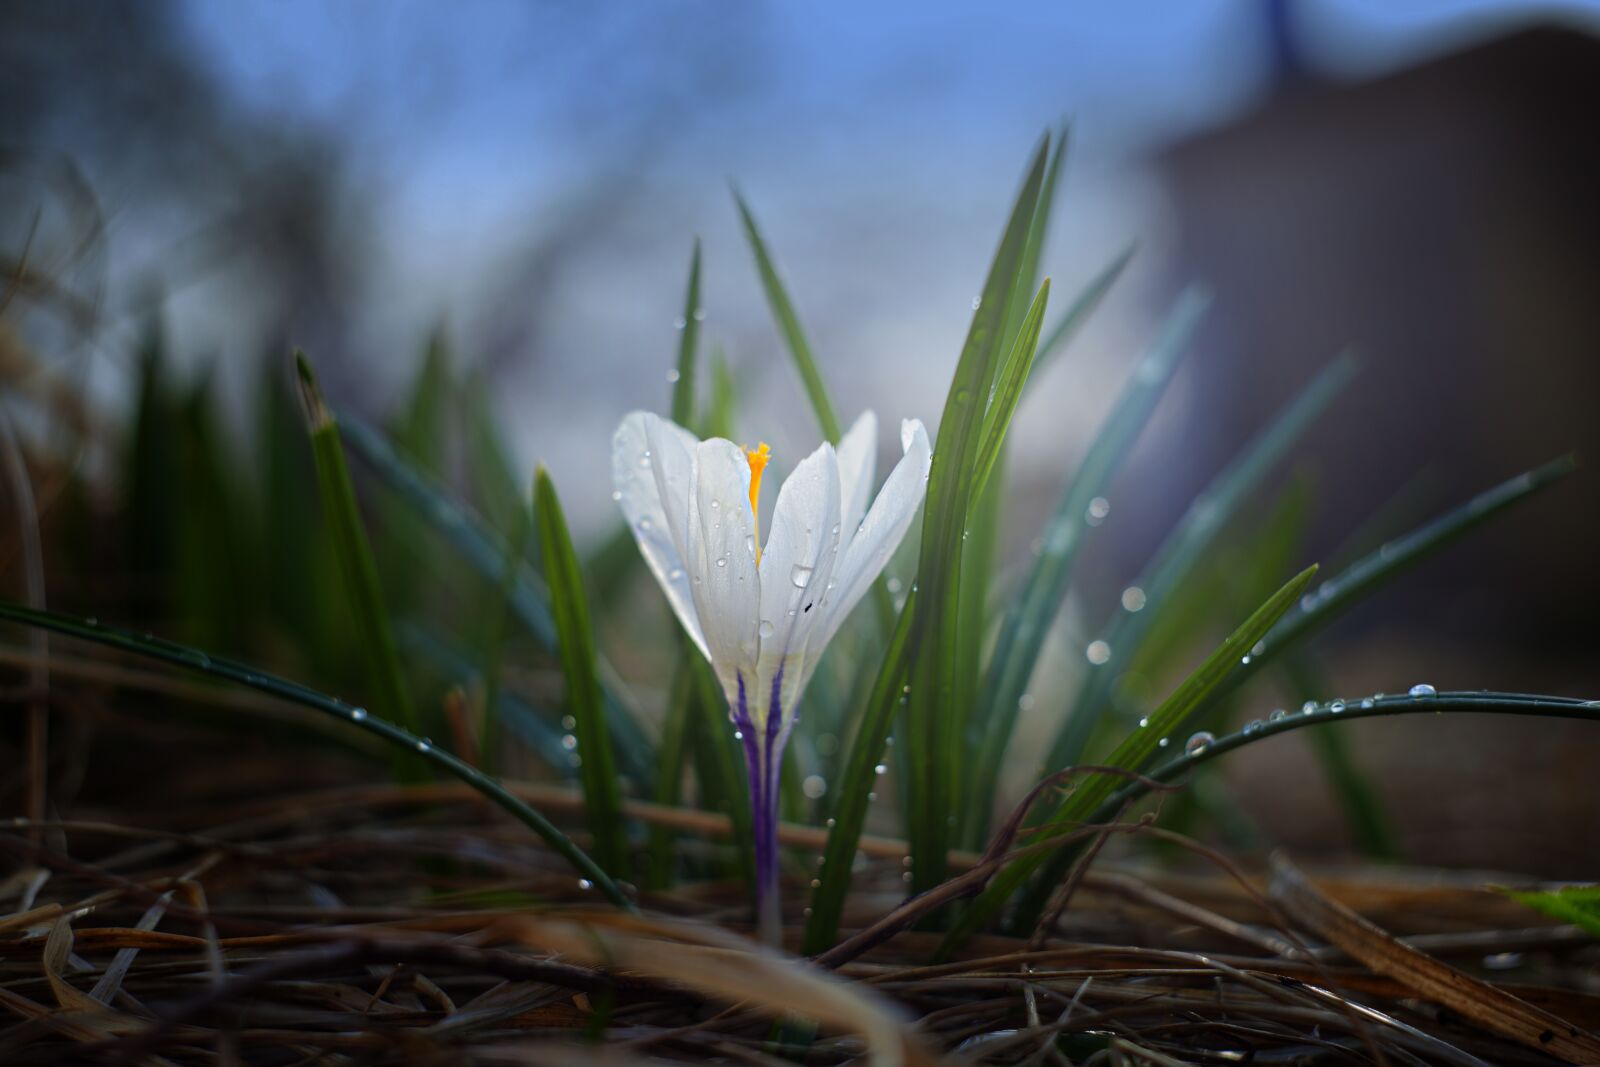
{"x": 763, "y": 754}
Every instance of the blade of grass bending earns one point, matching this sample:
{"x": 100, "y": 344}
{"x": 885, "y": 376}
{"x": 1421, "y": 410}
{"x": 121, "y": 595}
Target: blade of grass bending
{"x": 934, "y": 715}
{"x": 1374, "y": 570}
{"x": 1575, "y": 904}
{"x": 239, "y": 674}
{"x": 570, "y": 606}
{"x": 1135, "y": 751}
{"x": 1017, "y": 299}
{"x": 1008, "y": 389}
{"x": 1184, "y": 547}
{"x": 1333, "y": 711}
{"x": 1039, "y": 597}
{"x": 531, "y": 728}
{"x": 848, "y": 810}
{"x": 1363, "y": 810}
{"x": 484, "y": 549}
{"x": 789, "y": 325}
{"x": 1078, "y": 313}
{"x": 385, "y": 676}
{"x": 683, "y": 390}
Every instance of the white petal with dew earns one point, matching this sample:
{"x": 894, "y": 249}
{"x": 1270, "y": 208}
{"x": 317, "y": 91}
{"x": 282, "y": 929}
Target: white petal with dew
{"x": 858, "y": 462}
{"x": 721, "y": 559}
{"x": 644, "y": 450}
{"x": 885, "y": 525}
{"x": 797, "y": 568}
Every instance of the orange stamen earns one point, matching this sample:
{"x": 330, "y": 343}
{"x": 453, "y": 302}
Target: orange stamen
{"x": 757, "y": 458}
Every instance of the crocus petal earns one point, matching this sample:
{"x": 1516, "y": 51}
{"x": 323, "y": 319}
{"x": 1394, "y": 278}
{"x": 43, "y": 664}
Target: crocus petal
{"x": 720, "y": 559}
{"x": 797, "y": 567}
{"x": 652, "y": 463}
{"x": 858, "y": 462}
{"x": 885, "y": 525}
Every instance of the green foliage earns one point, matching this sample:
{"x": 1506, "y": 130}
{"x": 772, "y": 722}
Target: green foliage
{"x": 386, "y": 678}
{"x": 441, "y": 589}
{"x": 1575, "y": 904}
{"x": 569, "y": 604}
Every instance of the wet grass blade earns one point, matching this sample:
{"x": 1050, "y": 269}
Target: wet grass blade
{"x": 386, "y": 678}
{"x": 1376, "y": 569}
{"x": 536, "y": 730}
{"x": 683, "y": 387}
{"x": 789, "y": 326}
{"x": 1184, "y": 547}
{"x": 847, "y": 812}
{"x": 484, "y": 550}
{"x": 935, "y": 718}
{"x": 1078, "y": 313}
{"x": 1135, "y": 752}
{"x": 1363, "y": 810}
{"x": 358, "y": 718}
{"x": 1183, "y": 761}
{"x": 569, "y": 604}
{"x": 1039, "y": 598}
{"x": 1008, "y": 389}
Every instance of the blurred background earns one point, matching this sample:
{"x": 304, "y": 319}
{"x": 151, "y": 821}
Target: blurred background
{"x": 523, "y": 182}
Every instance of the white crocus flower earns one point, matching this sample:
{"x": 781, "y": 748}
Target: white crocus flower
{"x": 763, "y": 613}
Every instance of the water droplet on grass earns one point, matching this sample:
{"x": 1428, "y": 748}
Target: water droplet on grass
{"x": 1098, "y": 652}
{"x": 1198, "y": 743}
{"x": 1422, "y": 691}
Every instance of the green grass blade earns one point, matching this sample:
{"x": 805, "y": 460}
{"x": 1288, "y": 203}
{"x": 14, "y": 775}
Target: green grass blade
{"x": 718, "y": 420}
{"x": 497, "y": 615}
{"x": 386, "y": 678}
{"x": 1039, "y": 598}
{"x": 1134, "y": 753}
{"x": 570, "y": 606}
{"x": 1078, "y": 313}
{"x": 536, "y": 730}
{"x": 496, "y": 490}
{"x": 719, "y": 766}
{"x": 676, "y": 735}
{"x": 1008, "y": 390}
{"x": 1363, "y": 810}
{"x": 1017, "y": 300}
{"x": 848, "y": 808}
{"x": 1183, "y": 549}
{"x": 1334, "y": 711}
{"x": 935, "y": 717}
{"x": 1376, "y": 569}
{"x": 789, "y": 326}
{"x": 683, "y": 389}
{"x": 1575, "y": 904}
{"x": 391, "y": 734}
{"x": 484, "y": 550}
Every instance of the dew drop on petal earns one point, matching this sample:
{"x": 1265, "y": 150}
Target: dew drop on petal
{"x": 800, "y": 575}
{"x": 766, "y": 628}
{"x": 1198, "y": 743}
{"x": 675, "y": 574}
{"x": 722, "y": 561}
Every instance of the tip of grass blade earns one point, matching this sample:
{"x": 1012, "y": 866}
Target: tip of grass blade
{"x": 317, "y": 414}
